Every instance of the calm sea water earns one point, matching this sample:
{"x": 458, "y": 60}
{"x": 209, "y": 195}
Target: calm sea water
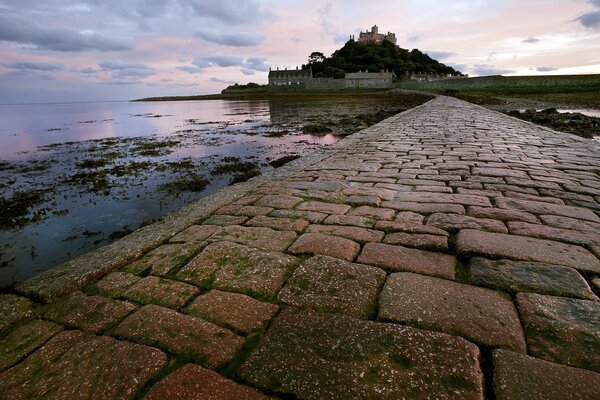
{"x": 42, "y": 145}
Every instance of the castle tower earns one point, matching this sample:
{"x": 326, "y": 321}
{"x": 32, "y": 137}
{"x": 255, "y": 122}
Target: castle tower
{"x": 375, "y": 30}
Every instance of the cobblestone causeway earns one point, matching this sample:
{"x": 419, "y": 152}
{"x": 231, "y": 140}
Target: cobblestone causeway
{"x": 448, "y": 252}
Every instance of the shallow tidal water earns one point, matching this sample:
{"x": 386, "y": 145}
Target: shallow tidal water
{"x": 105, "y": 169}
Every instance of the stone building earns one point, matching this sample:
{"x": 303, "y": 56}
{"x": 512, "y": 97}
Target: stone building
{"x": 379, "y": 80}
{"x": 375, "y": 36}
{"x": 289, "y": 77}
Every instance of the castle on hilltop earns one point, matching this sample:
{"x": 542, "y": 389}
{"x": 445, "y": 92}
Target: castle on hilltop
{"x": 375, "y": 36}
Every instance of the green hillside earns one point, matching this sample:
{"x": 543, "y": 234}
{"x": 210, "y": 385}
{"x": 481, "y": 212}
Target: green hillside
{"x": 354, "y": 57}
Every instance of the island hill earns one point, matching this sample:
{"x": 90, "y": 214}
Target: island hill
{"x": 373, "y": 62}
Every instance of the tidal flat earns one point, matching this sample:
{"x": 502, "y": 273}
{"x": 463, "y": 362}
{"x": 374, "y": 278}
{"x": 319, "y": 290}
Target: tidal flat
{"x": 74, "y": 177}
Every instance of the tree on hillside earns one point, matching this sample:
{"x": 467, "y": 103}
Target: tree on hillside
{"x": 354, "y": 57}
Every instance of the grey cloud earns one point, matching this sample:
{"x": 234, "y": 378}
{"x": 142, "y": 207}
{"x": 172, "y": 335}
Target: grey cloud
{"x": 545, "y": 69}
{"x": 440, "y": 55}
{"x": 117, "y": 82}
{"x": 219, "y": 80}
{"x": 228, "y": 11}
{"x": 595, "y": 2}
{"x": 14, "y": 28}
{"x": 257, "y": 64}
{"x": 413, "y": 37}
{"x": 341, "y": 38}
{"x": 531, "y": 40}
{"x": 590, "y": 19}
{"x": 133, "y": 73}
{"x": 88, "y": 70}
{"x": 122, "y": 70}
{"x": 166, "y": 80}
{"x": 218, "y": 61}
{"x": 190, "y": 69}
{"x": 119, "y": 65}
{"x": 231, "y": 38}
{"x": 35, "y": 66}
{"x": 248, "y": 71}
{"x": 483, "y": 70}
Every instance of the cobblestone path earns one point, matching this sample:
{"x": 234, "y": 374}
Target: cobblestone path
{"x": 449, "y": 252}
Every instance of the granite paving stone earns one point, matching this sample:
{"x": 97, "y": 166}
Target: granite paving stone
{"x": 334, "y": 246}
{"x": 536, "y": 207}
{"x": 160, "y": 291}
{"x": 330, "y": 285}
{"x": 279, "y": 201}
{"x": 481, "y": 315}
{"x": 282, "y": 224}
{"x": 224, "y": 220}
{"x": 24, "y": 339}
{"x": 425, "y": 208}
{"x": 89, "y": 313}
{"x": 421, "y": 241}
{"x": 373, "y": 212}
{"x": 245, "y": 211}
{"x": 550, "y": 233}
{"x": 316, "y": 356}
{"x": 409, "y": 217}
{"x": 195, "y": 233}
{"x": 525, "y": 276}
{"x": 233, "y": 310}
{"x": 310, "y": 216}
{"x": 455, "y": 222}
{"x": 562, "y": 330}
{"x": 321, "y": 207}
{"x": 497, "y": 245}
{"x": 261, "y": 238}
{"x": 426, "y": 197}
{"x": 188, "y": 336}
{"x": 75, "y": 365}
{"x": 234, "y": 267}
{"x": 571, "y": 223}
{"x": 409, "y": 227}
{"x": 13, "y": 309}
{"x": 349, "y": 232}
{"x": 517, "y": 376}
{"x": 192, "y": 382}
{"x": 114, "y": 284}
{"x": 349, "y": 220}
{"x": 502, "y": 214}
{"x": 399, "y": 258}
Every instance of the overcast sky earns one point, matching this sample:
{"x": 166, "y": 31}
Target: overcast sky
{"x": 86, "y": 50}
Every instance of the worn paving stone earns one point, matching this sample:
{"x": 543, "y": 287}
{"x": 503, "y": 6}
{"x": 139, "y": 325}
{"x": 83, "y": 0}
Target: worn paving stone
{"x": 349, "y": 232}
{"x": 535, "y": 207}
{"x": 224, "y": 220}
{"x": 550, "y": 233}
{"x": 421, "y": 241}
{"x": 307, "y": 185}
{"x": 501, "y": 214}
{"x": 321, "y": 207}
{"x": 165, "y": 259}
{"x": 562, "y": 330}
{"x": 409, "y": 217}
{"x": 571, "y": 223}
{"x": 88, "y": 313}
{"x": 517, "y": 376}
{"x": 349, "y": 220}
{"x": 192, "y": 382}
{"x": 114, "y": 284}
{"x": 363, "y": 201}
{"x": 330, "y": 285}
{"x": 13, "y": 309}
{"x": 181, "y": 334}
{"x": 425, "y": 208}
{"x": 24, "y": 339}
{"x": 497, "y": 245}
{"x": 499, "y": 172}
{"x": 195, "y": 233}
{"x": 279, "y": 201}
{"x": 408, "y": 227}
{"x": 160, "y": 291}
{"x": 311, "y": 216}
{"x": 334, "y": 246}
{"x": 281, "y": 224}
{"x": 75, "y": 365}
{"x": 233, "y": 310}
{"x": 426, "y": 197}
{"x": 480, "y": 315}
{"x": 399, "y": 258}
{"x": 455, "y": 222}
{"x": 261, "y": 238}
{"x": 373, "y": 212}
{"x": 234, "y": 267}
{"x": 245, "y": 211}
{"x": 324, "y": 357}
{"x": 525, "y": 276}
